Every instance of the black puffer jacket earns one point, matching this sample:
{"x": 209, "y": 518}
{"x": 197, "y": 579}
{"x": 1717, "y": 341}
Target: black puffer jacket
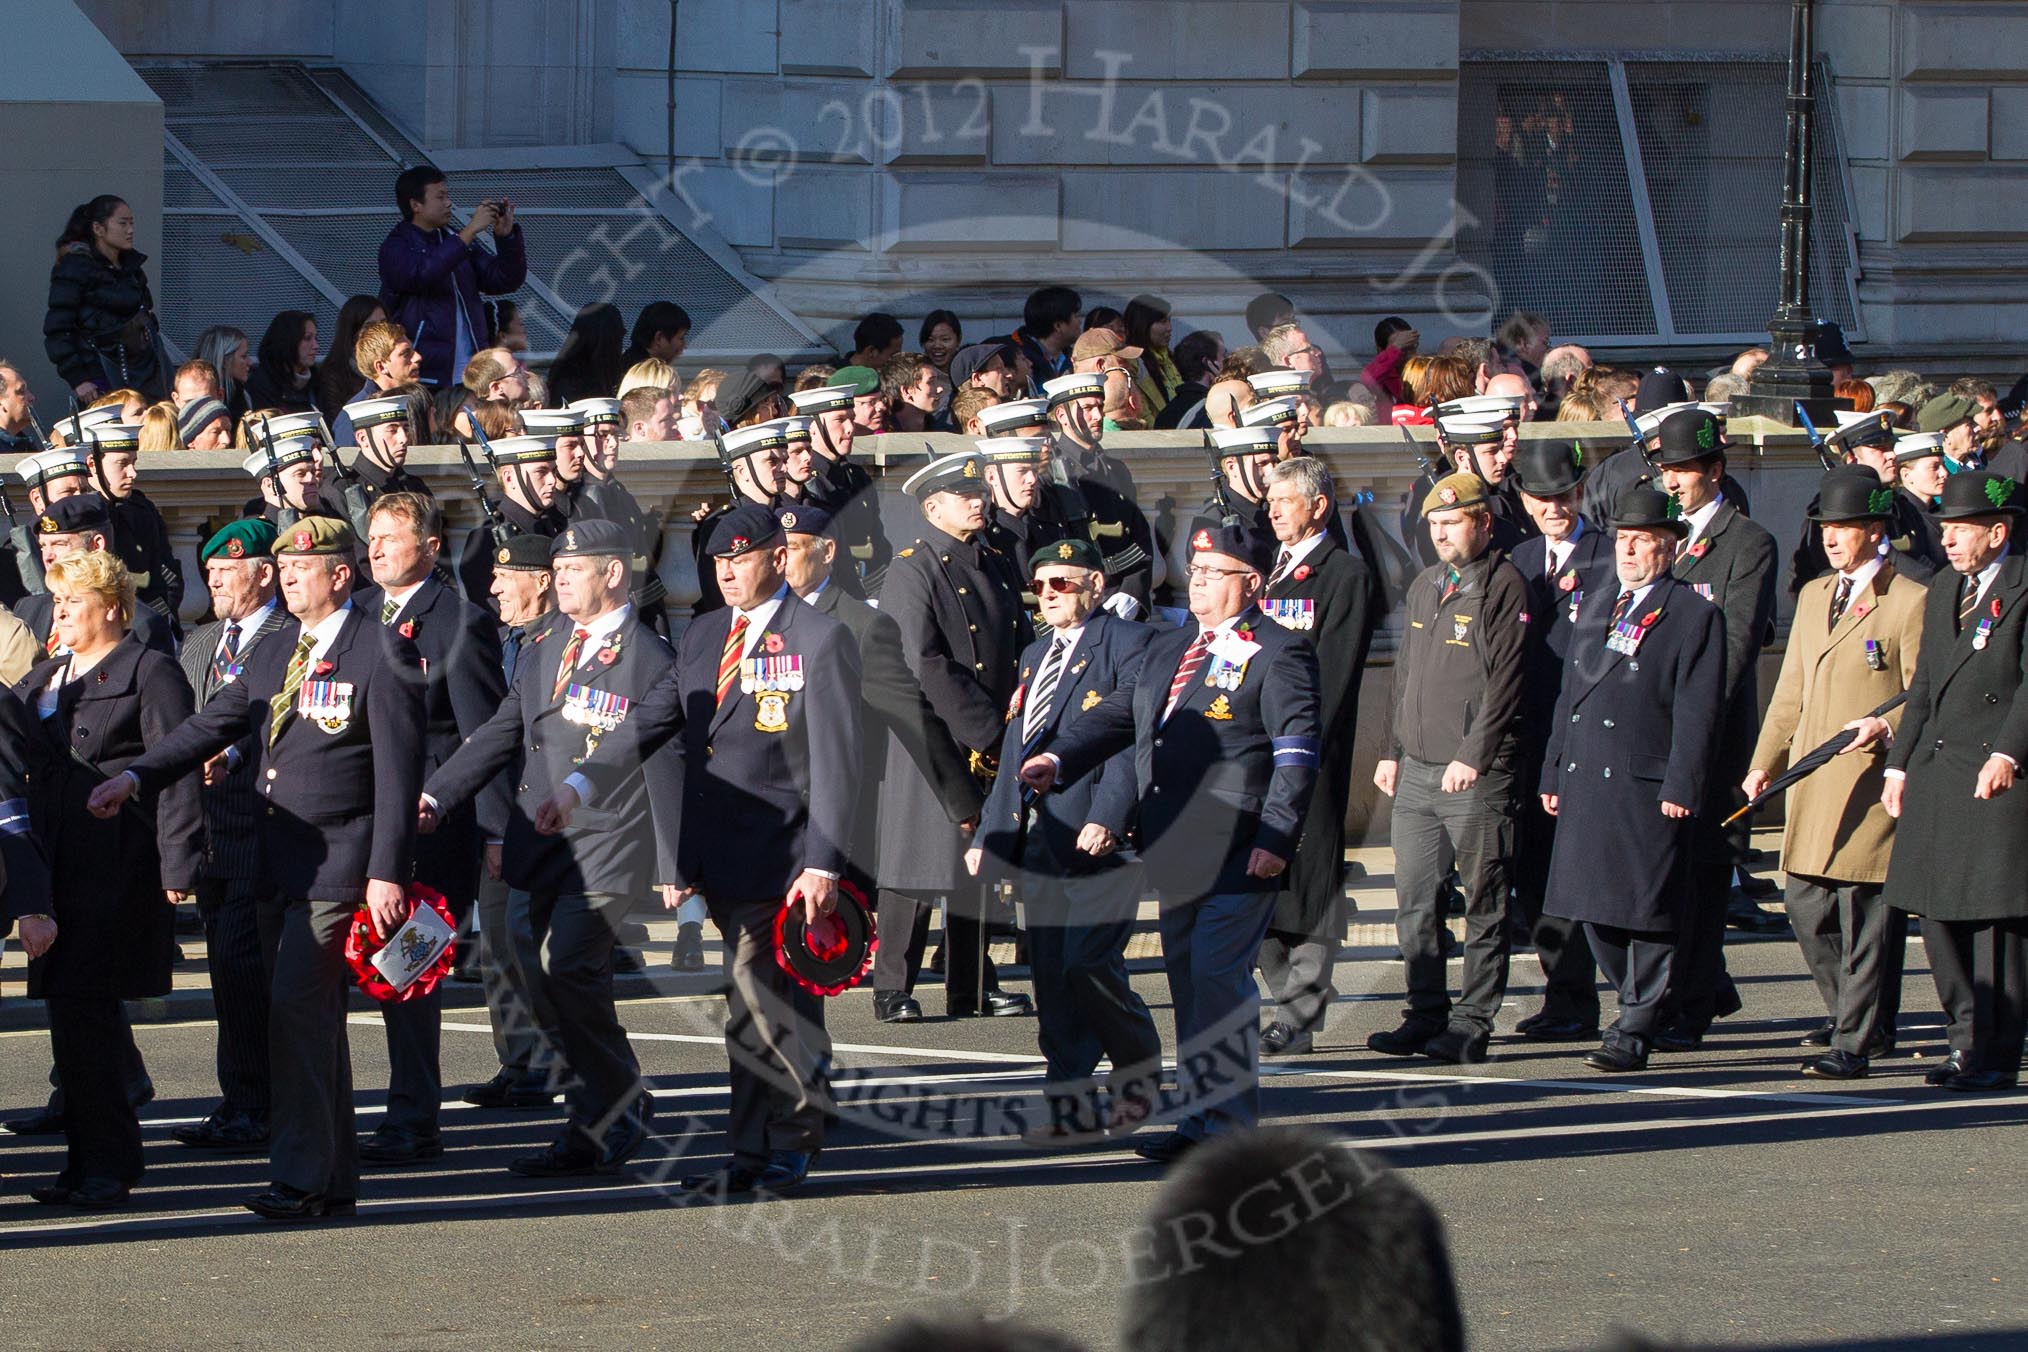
{"x": 101, "y": 322}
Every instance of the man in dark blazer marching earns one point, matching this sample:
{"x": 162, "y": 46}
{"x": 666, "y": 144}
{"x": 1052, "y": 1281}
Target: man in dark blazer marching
{"x": 574, "y": 692}
{"x": 336, "y": 715}
{"x": 1222, "y": 718}
{"x": 239, "y": 569}
{"x": 1729, "y": 560}
{"x": 1569, "y": 559}
{"x": 765, "y": 696}
{"x": 1062, "y": 854}
{"x": 460, "y": 648}
{"x": 1961, "y": 843}
{"x": 1630, "y": 749}
{"x": 1323, "y": 592}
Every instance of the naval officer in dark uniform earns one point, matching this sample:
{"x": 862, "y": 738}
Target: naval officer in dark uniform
{"x": 1222, "y": 718}
{"x": 528, "y": 486}
{"x": 765, "y": 695}
{"x": 1631, "y": 746}
{"x": 1066, "y": 856}
{"x": 957, "y": 602}
{"x": 602, "y": 494}
{"x": 382, "y": 433}
{"x": 336, "y": 715}
{"x": 842, "y": 487}
{"x": 1078, "y": 458}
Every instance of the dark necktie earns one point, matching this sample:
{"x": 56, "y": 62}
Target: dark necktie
{"x": 1969, "y": 602}
{"x": 1186, "y": 672}
{"x": 1036, "y": 714}
{"x": 1450, "y": 585}
{"x": 228, "y": 653}
{"x": 1840, "y": 598}
{"x": 1622, "y": 606}
{"x": 1281, "y": 568}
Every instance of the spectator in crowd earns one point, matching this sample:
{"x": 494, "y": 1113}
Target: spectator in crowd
{"x": 1346, "y": 413}
{"x": 1149, "y": 328}
{"x": 1858, "y": 391}
{"x": 1394, "y": 343}
{"x": 432, "y": 278}
{"x": 1584, "y": 406}
{"x": 649, "y": 413}
{"x": 1749, "y": 361}
{"x": 593, "y": 356}
{"x": 338, "y": 379}
{"x": 1524, "y": 341}
{"x": 285, "y": 363}
{"x": 1723, "y": 389}
{"x": 940, "y": 336}
{"x": 204, "y": 425}
{"x": 100, "y": 330}
{"x": 875, "y": 338}
{"x": 1439, "y": 382}
{"x": 1268, "y": 311}
{"x": 661, "y": 333}
{"x": 195, "y": 379}
{"x": 700, "y": 406}
{"x": 1288, "y": 345}
{"x": 130, "y": 403}
{"x": 988, "y": 365}
{"x": 1901, "y": 387}
{"x": 16, "y": 401}
{"x": 1286, "y": 1241}
{"x": 910, "y": 383}
{"x": 159, "y": 430}
{"x": 1989, "y": 425}
{"x": 652, "y": 373}
{"x": 1101, "y": 351}
{"x": 505, "y": 327}
{"x": 1106, "y": 317}
{"x": 814, "y": 377}
{"x": 1049, "y": 327}
{"x": 1198, "y": 357}
{"x": 496, "y": 373}
{"x": 229, "y": 353}
{"x": 389, "y": 360}
{"x": 1560, "y": 370}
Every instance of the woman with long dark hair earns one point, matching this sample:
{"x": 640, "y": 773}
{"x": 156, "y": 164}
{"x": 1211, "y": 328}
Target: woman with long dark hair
{"x": 1155, "y": 373}
{"x": 339, "y": 378}
{"x": 593, "y": 356}
{"x": 100, "y": 330}
{"x": 285, "y": 364}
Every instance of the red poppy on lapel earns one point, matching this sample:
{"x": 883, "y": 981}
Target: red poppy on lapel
{"x": 323, "y": 669}
{"x": 1700, "y": 549}
{"x": 1650, "y": 618}
{"x": 407, "y": 629}
{"x": 1996, "y": 607}
{"x": 1568, "y": 582}
{"x": 1302, "y": 572}
{"x": 608, "y": 656}
{"x": 772, "y": 642}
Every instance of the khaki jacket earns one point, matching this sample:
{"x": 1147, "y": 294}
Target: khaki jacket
{"x": 1836, "y": 828}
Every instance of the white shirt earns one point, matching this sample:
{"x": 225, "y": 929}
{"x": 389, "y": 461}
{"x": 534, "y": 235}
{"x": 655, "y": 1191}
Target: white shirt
{"x": 1700, "y": 520}
{"x": 325, "y": 632}
{"x": 247, "y": 627}
{"x": 1858, "y": 577}
{"x": 811, "y": 599}
{"x": 757, "y": 620}
{"x": 1559, "y": 550}
{"x": 596, "y": 631}
{"x": 1638, "y": 593}
{"x": 400, "y": 598}
{"x": 1297, "y": 552}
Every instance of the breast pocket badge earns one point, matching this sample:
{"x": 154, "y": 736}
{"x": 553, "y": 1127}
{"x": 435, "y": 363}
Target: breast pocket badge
{"x": 1220, "y": 708}
{"x": 771, "y": 711}
{"x": 328, "y": 704}
{"x": 1092, "y": 700}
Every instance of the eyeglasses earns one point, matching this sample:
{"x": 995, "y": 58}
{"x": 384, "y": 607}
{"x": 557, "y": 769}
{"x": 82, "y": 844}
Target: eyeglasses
{"x": 1204, "y": 572}
{"x": 1311, "y": 351}
{"x": 1062, "y": 586}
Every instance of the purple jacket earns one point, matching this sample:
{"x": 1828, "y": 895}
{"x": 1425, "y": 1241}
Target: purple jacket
{"x": 424, "y": 273}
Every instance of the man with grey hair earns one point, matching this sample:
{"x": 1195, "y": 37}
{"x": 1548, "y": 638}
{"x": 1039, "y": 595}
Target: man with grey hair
{"x": 1324, "y": 592}
{"x": 1723, "y": 389}
{"x": 1289, "y": 345}
{"x": 1560, "y": 370}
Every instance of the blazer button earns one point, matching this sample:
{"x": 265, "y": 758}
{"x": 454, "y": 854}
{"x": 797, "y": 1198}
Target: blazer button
{"x": 522, "y": 789}
{"x": 1158, "y": 741}
{"x": 1154, "y": 788}
{"x": 1568, "y": 768}
{"x": 1609, "y": 772}
{"x": 975, "y": 629}
{"x": 1575, "y": 717}
{"x": 963, "y": 592}
{"x": 1938, "y": 745}
{"x": 271, "y": 772}
{"x": 1608, "y": 722}
{"x": 1992, "y": 698}
{"x": 978, "y": 666}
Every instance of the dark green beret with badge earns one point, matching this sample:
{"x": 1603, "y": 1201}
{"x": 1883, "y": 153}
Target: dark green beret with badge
{"x": 250, "y": 537}
{"x": 1068, "y": 554}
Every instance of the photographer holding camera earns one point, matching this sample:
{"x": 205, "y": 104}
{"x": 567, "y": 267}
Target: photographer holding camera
{"x": 432, "y": 277}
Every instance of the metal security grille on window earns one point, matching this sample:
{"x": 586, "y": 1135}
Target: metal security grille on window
{"x": 278, "y": 187}
{"x": 1632, "y": 200}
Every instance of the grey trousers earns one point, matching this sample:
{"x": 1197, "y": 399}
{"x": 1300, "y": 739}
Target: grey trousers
{"x": 1638, "y": 966}
{"x": 568, "y": 939}
{"x": 1854, "y": 943}
{"x": 1479, "y": 825}
{"x": 510, "y": 1006}
{"x": 775, "y": 1043}
{"x": 311, "y": 1143}
{"x": 1298, "y": 974}
{"x": 241, "y": 974}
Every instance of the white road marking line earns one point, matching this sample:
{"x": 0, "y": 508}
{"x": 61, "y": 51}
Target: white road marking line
{"x": 1577, "y": 1086}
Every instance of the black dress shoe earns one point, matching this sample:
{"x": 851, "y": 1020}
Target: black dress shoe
{"x": 231, "y": 1135}
{"x": 1727, "y": 1002}
{"x": 1278, "y": 1039}
{"x": 786, "y": 1168}
{"x": 1459, "y": 1046}
{"x": 896, "y": 1007}
{"x": 1543, "y": 1028}
{"x": 1407, "y": 1040}
{"x": 99, "y": 1194}
{"x": 689, "y": 952}
{"x": 626, "y": 960}
{"x": 200, "y": 1133}
{"x": 625, "y": 1136}
{"x": 1979, "y": 1081}
{"x": 1820, "y": 1036}
{"x": 734, "y": 1180}
{"x": 41, "y": 1122}
{"x": 1836, "y": 1065}
{"x": 570, "y": 1157}
{"x": 511, "y": 1089}
{"x": 1616, "y": 1058}
{"x": 398, "y": 1146}
{"x": 1008, "y": 1004}
{"x": 284, "y": 1203}
{"x": 1878, "y": 1048}
{"x": 51, "y": 1194}
{"x": 1953, "y": 1066}
{"x": 1682, "y": 1037}
{"x": 1168, "y": 1149}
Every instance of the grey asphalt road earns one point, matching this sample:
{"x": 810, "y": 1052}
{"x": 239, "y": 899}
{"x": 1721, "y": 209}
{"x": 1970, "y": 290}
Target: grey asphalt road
{"x": 1719, "y": 1197}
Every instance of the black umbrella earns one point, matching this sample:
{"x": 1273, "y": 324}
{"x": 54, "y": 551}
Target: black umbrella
{"x": 1812, "y": 760}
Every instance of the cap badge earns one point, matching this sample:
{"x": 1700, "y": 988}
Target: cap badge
{"x": 234, "y": 549}
{"x": 971, "y": 469}
{"x": 1064, "y": 550}
{"x": 1201, "y": 540}
{"x": 504, "y": 555}
{"x": 788, "y": 520}
{"x": 1447, "y": 496}
{"x": 302, "y": 539}
{"x": 740, "y": 542}
{"x": 48, "y": 525}
{"x": 570, "y": 539}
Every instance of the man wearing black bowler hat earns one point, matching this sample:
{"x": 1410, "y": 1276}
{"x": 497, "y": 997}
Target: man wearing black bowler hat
{"x": 1569, "y": 560}
{"x": 1730, "y": 560}
{"x": 1961, "y": 845}
{"x": 1630, "y": 748}
{"x": 1222, "y": 719}
{"x": 765, "y": 694}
